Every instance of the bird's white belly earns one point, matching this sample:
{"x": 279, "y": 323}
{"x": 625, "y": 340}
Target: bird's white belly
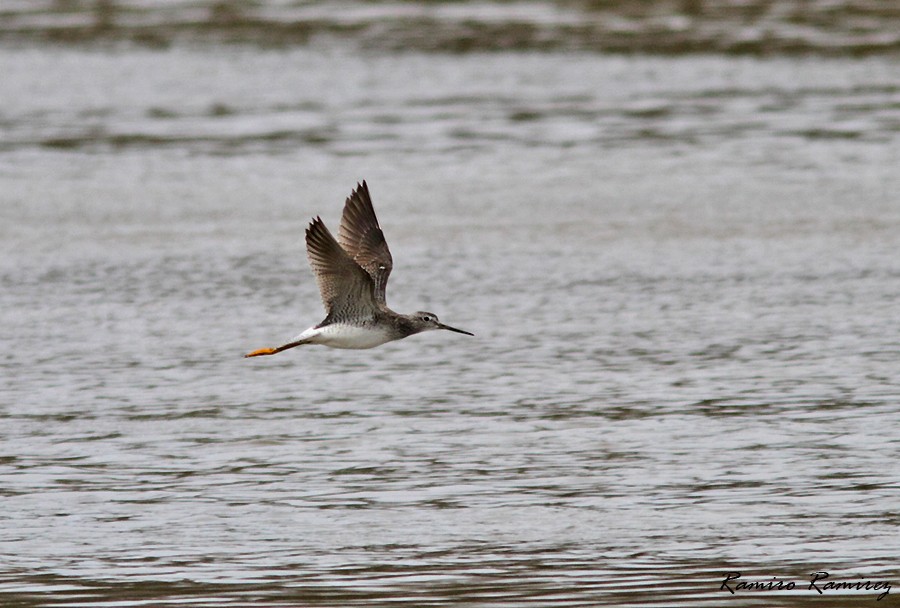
{"x": 339, "y": 335}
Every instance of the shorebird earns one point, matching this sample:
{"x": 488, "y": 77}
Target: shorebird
{"x": 352, "y": 274}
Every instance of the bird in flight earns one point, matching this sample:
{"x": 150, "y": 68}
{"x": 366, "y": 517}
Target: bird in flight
{"x": 352, "y": 273}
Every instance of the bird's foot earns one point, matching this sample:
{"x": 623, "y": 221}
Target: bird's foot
{"x": 262, "y": 351}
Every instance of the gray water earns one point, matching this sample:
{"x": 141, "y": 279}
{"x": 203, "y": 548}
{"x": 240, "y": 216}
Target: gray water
{"x": 682, "y": 274}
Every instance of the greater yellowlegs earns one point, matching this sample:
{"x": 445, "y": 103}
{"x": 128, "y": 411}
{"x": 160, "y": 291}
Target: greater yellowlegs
{"x": 352, "y": 274}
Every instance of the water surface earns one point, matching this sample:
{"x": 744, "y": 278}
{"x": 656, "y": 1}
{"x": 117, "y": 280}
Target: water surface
{"x": 682, "y": 275}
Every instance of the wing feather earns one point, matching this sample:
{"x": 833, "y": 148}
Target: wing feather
{"x": 345, "y": 287}
{"x": 362, "y": 238}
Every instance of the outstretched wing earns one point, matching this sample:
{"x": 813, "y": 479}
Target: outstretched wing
{"x": 362, "y": 238}
{"x": 345, "y": 287}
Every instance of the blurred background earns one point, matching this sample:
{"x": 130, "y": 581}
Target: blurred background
{"x": 849, "y": 27}
{"x": 673, "y": 227}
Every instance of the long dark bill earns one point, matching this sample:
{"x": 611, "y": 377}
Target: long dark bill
{"x": 459, "y": 331}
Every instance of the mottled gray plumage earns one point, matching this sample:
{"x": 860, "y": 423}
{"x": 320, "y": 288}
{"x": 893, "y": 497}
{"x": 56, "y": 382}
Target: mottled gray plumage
{"x": 362, "y": 238}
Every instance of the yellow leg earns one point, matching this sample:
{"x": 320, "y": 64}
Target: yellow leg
{"x": 272, "y": 351}
{"x": 262, "y": 351}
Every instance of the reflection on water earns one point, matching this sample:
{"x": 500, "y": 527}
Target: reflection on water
{"x": 681, "y": 273}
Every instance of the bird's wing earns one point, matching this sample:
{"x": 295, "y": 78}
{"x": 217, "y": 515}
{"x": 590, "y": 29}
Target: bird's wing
{"x": 362, "y": 238}
{"x": 345, "y": 287}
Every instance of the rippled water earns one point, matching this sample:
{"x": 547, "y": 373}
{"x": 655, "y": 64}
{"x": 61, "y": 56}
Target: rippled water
{"x": 827, "y": 27}
{"x": 682, "y": 274}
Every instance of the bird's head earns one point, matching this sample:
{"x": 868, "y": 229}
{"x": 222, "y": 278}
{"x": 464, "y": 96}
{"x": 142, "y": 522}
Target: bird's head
{"x": 426, "y": 321}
